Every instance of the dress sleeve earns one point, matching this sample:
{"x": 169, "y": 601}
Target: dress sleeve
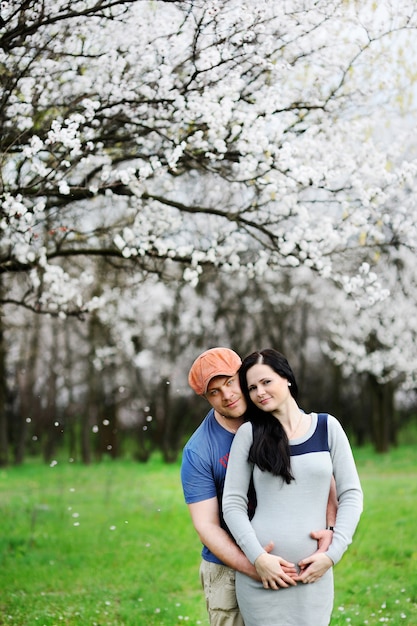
{"x": 349, "y": 491}
{"x": 235, "y": 495}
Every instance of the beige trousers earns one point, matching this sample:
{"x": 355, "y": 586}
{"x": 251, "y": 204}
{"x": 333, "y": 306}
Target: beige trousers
{"x": 218, "y": 582}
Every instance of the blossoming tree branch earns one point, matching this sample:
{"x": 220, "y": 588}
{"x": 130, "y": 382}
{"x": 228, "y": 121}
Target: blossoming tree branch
{"x": 172, "y": 136}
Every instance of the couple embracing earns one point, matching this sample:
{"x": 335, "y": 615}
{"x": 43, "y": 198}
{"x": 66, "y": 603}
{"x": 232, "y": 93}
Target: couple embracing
{"x": 273, "y": 493}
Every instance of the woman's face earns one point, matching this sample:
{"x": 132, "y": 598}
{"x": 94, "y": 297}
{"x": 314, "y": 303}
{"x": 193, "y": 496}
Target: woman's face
{"x": 267, "y": 389}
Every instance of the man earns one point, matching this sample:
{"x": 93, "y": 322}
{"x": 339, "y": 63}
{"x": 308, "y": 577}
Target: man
{"x": 214, "y": 376}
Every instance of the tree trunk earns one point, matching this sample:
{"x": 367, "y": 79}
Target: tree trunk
{"x": 169, "y": 448}
{"x": 382, "y": 418}
{"x": 53, "y": 428}
{"x": 4, "y": 443}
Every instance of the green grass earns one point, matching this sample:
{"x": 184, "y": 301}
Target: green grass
{"x": 376, "y": 582}
{"x": 112, "y": 544}
{"x": 109, "y": 544}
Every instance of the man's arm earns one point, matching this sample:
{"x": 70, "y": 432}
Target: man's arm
{"x": 324, "y": 537}
{"x": 332, "y": 504}
{"x": 314, "y": 566}
{"x": 206, "y": 521}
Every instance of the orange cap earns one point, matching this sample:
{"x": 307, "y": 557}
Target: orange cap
{"x": 211, "y": 363}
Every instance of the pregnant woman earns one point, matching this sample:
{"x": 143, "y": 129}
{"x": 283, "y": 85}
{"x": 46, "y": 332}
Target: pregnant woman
{"x": 292, "y": 457}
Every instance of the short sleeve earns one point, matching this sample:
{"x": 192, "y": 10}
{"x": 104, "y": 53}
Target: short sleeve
{"x": 197, "y": 478}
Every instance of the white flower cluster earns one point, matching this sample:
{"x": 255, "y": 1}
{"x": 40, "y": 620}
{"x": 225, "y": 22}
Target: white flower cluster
{"x": 243, "y": 136}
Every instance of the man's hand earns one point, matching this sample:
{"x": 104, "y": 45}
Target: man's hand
{"x": 323, "y": 538}
{"x": 273, "y": 571}
{"x": 313, "y": 567}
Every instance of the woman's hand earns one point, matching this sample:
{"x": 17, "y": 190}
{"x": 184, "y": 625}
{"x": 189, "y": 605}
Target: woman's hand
{"x": 275, "y": 572}
{"x": 313, "y": 567}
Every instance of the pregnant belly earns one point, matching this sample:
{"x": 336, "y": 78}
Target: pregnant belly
{"x": 292, "y": 542}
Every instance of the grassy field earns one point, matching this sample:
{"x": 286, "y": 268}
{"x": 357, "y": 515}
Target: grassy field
{"x": 112, "y": 544}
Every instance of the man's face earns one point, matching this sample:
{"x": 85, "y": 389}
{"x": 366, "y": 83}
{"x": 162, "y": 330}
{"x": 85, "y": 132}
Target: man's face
{"x": 226, "y": 397}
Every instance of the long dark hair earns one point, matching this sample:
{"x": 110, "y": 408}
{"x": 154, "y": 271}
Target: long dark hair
{"x": 270, "y": 449}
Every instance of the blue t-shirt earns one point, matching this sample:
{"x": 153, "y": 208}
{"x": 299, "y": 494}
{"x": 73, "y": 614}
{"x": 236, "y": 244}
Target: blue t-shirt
{"x": 203, "y": 469}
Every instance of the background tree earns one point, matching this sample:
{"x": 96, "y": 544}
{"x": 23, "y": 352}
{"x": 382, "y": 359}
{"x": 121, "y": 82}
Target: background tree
{"x": 257, "y": 120}
{"x": 380, "y": 344}
{"x": 172, "y": 140}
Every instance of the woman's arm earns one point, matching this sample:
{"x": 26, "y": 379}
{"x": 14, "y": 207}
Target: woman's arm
{"x": 274, "y": 571}
{"x": 235, "y": 494}
{"x": 349, "y": 491}
{"x": 344, "y": 507}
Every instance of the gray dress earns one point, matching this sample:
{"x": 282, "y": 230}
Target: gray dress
{"x": 286, "y": 514}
